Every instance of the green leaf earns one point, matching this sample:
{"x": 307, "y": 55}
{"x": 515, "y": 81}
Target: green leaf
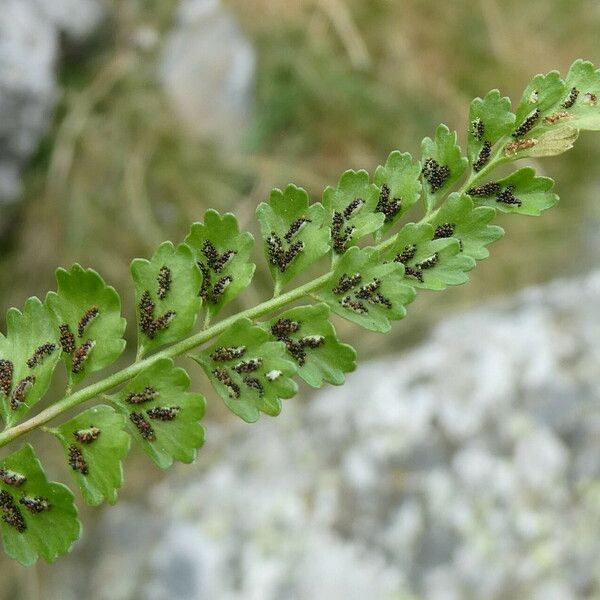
{"x": 399, "y": 182}
{"x": 585, "y": 110}
{"x": 295, "y": 235}
{"x": 471, "y": 224}
{"x": 548, "y": 142}
{"x": 443, "y": 164}
{"x": 552, "y": 143}
{"x": 166, "y": 295}
{"x": 223, "y": 255}
{"x": 420, "y": 245}
{"x": 544, "y": 92}
{"x": 161, "y": 415}
{"x": 557, "y": 111}
{"x": 87, "y": 310}
{"x": 530, "y": 195}
{"x": 28, "y": 356}
{"x": 249, "y": 370}
{"x": 352, "y": 209}
{"x": 367, "y": 291}
{"x": 541, "y": 98}
{"x": 312, "y": 343}
{"x": 39, "y": 517}
{"x": 490, "y": 119}
{"x": 95, "y": 444}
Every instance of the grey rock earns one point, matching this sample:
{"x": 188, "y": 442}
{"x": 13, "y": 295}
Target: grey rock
{"x": 29, "y": 48}
{"x": 464, "y": 469}
{"x": 207, "y": 71}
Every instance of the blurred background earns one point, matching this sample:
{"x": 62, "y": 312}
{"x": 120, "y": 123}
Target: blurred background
{"x": 462, "y": 461}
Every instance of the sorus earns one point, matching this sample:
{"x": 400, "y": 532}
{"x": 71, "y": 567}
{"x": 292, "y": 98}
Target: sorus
{"x": 163, "y": 413}
{"x": 507, "y": 197}
{"x": 76, "y": 460}
{"x": 142, "y": 426}
{"x": 444, "y": 230}
{"x": 6, "y": 376}
{"x": 283, "y": 327}
{"x": 527, "y": 125}
{"x": 477, "y": 129}
{"x": 519, "y": 145}
{"x": 571, "y": 98}
{"x": 428, "y": 263}
{"x": 354, "y": 305}
{"x": 346, "y": 283}
{"x": 164, "y": 280}
{"x": 11, "y": 477}
{"x": 20, "y": 391}
{"x": 484, "y": 156}
{"x": 80, "y": 355}
{"x": 148, "y": 394}
{"x": 11, "y": 513}
{"x": 484, "y": 191}
{"x": 88, "y": 315}
{"x": 353, "y": 207}
{"x": 247, "y": 366}
{"x": 295, "y": 228}
{"x": 35, "y": 504}
{"x": 67, "y": 339}
{"x": 254, "y": 383}
{"x": 225, "y": 378}
{"x": 87, "y": 436}
{"x": 435, "y": 174}
{"x": 39, "y": 354}
{"x": 407, "y": 254}
{"x": 222, "y": 354}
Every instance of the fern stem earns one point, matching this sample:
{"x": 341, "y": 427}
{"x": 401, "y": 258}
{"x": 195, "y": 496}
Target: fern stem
{"x": 497, "y": 159}
{"x": 277, "y": 302}
{"x": 120, "y": 377}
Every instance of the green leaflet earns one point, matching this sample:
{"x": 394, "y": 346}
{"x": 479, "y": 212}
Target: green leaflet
{"x": 95, "y": 444}
{"x": 557, "y": 110}
{"x": 443, "y": 164}
{"x": 249, "y": 370}
{"x": 399, "y": 182}
{"x": 585, "y": 110}
{"x": 295, "y": 235}
{"x": 528, "y": 194}
{"x": 28, "y": 356}
{"x": 352, "y": 209}
{"x": 471, "y": 224}
{"x": 417, "y": 246}
{"x": 544, "y": 93}
{"x": 312, "y": 343}
{"x": 548, "y": 142}
{"x": 161, "y": 414}
{"x": 490, "y": 119}
{"x": 39, "y": 517}
{"x": 553, "y": 142}
{"x": 367, "y": 291}
{"x": 166, "y": 295}
{"x": 223, "y": 255}
{"x": 88, "y": 312}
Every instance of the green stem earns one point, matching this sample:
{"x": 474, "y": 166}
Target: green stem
{"x": 497, "y": 159}
{"x": 96, "y": 389}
